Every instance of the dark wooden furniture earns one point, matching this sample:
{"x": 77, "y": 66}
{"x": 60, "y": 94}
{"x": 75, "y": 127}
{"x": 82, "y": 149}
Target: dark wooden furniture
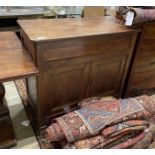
{"x": 7, "y": 137}
{"x": 142, "y": 75}
{"x": 76, "y": 58}
{"x": 15, "y": 63}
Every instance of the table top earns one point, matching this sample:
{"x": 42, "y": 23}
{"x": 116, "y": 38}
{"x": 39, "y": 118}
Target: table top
{"x": 54, "y": 29}
{"x": 14, "y": 60}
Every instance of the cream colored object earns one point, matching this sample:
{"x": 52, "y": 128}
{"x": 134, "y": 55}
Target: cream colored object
{"x": 107, "y": 98}
{"x": 112, "y": 11}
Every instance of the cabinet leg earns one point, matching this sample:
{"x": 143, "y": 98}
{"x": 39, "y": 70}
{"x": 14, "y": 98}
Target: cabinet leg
{"x": 7, "y": 136}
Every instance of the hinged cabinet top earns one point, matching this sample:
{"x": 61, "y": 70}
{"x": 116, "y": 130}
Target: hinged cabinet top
{"x": 54, "y": 29}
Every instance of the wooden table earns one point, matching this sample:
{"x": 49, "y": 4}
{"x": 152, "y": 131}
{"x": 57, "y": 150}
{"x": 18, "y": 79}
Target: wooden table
{"x": 15, "y": 64}
{"x": 76, "y": 58}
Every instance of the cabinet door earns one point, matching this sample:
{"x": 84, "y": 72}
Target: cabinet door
{"x": 63, "y": 87}
{"x": 107, "y": 75}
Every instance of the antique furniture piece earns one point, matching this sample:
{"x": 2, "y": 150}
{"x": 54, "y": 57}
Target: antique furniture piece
{"x": 76, "y": 58}
{"x": 142, "y": 75}
{"x": 15, "y": 63}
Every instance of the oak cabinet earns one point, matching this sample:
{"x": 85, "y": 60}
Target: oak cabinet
{"x": 76, "y": 58}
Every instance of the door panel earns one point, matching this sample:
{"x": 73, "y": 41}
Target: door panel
{"x": 106, "y": 76}
{"x": 66, "y": 85}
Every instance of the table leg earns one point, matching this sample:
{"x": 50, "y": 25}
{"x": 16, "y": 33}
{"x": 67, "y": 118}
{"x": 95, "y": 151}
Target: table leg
{"x": 7, "y": 136}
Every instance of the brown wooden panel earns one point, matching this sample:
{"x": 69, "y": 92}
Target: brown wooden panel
{"x": 85, "y": 46}
{"x": 142, "y": 74}
{"x": 145, "y": 63}
{"x": 143, "y": 79}
{"x": 106, "y": 76}
{"x": 14, "y": 60}
{"x": 61, "y": 87}
{"x": 149, "y": 31}
{"x": 147, "y": 48}
{"x": 81, "y": 60}
{"x": 29, "y": 46}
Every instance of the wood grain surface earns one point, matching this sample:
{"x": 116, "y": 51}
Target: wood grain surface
{"x": 14, "y": 60}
